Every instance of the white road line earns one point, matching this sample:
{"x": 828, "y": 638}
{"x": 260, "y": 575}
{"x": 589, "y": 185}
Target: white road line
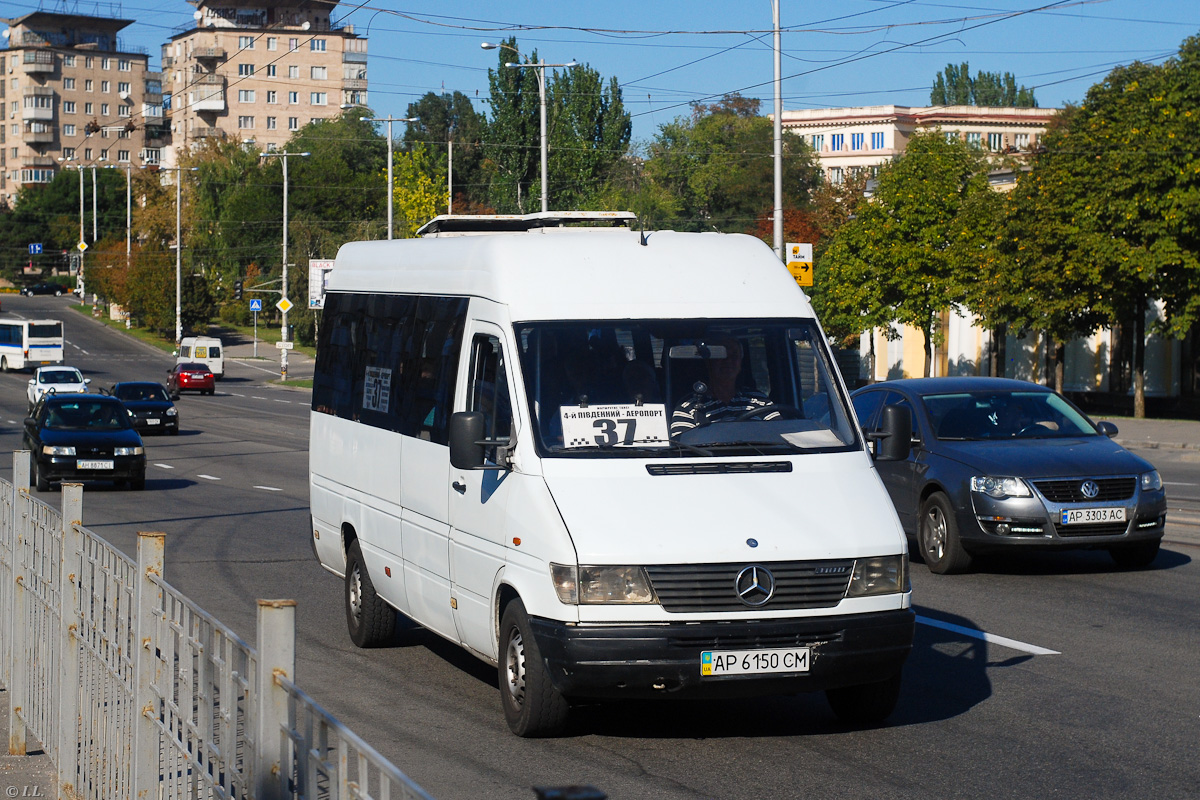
{"x": 256, "y": 397}
{"x": 991, "y": 638}
{"x": 1179, "y": 483}
{"x": 235, "y": 394}
{"x": 208, "y": 477}
{"x": 289, "y": 402}
{"x": 164, "y": 466}
{"x": 268, "y": 488}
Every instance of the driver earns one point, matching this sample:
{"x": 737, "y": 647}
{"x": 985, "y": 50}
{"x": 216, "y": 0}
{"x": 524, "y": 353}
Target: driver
{"x": 721, "y": 400}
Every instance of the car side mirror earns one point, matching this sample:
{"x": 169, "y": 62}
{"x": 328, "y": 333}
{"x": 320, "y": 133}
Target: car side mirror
{"x": 1107, "y": 428}
{"x": 87, "y": 381}
{"x": 894, "y": 437}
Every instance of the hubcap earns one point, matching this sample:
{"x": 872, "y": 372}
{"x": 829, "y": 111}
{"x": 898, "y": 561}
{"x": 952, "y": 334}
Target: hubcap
{"x": 515, "y": 667}
{"x": 356, "y": 593}
{"x": 935, "y": 533}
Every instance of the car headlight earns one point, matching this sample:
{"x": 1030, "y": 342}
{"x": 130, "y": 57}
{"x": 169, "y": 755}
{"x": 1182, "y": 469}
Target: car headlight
{"x": 171, "y": 411}
{"x": 127, "y": 451}
{"x": 57, "y": 450}
{"x": 879, "y": 575}
{"x": 1151, "y": 481}
{"x": 601, "y": 585}
{"x": 1000, "y": 488}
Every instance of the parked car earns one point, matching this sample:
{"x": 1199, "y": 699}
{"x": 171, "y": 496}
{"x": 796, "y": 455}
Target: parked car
{"x": 83, "y": 437}
{"x": 149, "y": 405}
{"x": 190, "y": 376}
{"x": 56, "y": 379}
{"x": 56, "y": 289}
{"x": 999, "y": 464}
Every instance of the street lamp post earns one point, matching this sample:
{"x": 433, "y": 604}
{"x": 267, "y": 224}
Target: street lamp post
{"x": 389, "y": 120}
{"x": 540, "y": 66}
{"x": 283, "y": 298}
{"x": 178, "y": 250}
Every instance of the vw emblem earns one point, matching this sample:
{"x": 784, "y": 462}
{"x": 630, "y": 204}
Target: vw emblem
{"x": 755, "y": 585}
{"x": 1089, "y": 489}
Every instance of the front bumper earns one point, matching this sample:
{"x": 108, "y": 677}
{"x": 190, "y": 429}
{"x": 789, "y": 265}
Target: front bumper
{"x": 642, "y": 661}
{"x": 59, "y": 468}
{"x": 147, "y": 424}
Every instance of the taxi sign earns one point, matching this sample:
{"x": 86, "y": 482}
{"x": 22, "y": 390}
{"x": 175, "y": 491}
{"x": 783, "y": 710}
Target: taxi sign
{"x": 284, "y": 305}
{"x": 799, "y": 262}
{"x": 81, "y": 246}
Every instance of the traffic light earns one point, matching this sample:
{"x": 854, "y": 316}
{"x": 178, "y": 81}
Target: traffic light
{"x": 237, "y": 290}
{"x": 91, "y": 127}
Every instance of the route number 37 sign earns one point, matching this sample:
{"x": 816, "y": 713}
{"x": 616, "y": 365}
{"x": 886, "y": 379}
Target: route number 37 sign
{"x": 615, "y": 426}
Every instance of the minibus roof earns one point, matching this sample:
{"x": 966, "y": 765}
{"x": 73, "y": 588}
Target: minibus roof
{"x": 555, "y": 271}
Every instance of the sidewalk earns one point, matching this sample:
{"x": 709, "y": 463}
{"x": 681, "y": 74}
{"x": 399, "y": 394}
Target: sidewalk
{"x": 30, "y": 775}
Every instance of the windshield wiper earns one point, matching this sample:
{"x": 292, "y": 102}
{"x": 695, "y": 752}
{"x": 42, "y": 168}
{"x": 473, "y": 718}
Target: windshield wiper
{"x": 673, "y": 446}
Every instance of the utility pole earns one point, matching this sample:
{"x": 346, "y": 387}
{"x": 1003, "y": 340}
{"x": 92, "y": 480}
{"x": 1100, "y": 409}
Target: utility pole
{"x": 390, "y": 186}
{"x": 284, "y": 304}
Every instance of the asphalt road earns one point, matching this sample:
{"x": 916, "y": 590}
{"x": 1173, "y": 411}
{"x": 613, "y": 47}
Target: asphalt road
{"x": 987, "y": 711}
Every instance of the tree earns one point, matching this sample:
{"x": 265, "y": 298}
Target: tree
{"x": 954, "y": 87}
{"x": 418, "y": 197}
{"x": 443, "y": 118}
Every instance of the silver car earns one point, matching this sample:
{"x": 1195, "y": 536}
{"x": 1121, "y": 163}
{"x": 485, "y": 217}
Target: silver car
{"x": 998, "y": 464}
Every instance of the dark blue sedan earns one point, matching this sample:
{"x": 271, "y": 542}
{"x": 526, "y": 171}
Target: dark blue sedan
{"x": 149, "y": 406}
{"x": 84, "y": 437}
{"x": 998, "y": 464}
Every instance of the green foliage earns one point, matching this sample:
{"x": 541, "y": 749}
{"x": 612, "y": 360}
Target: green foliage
{"x": 954, "y": 86}
{"x": 443, "y": 118}
{"x": 418, "y": 197}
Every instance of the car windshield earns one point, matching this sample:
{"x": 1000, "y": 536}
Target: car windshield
{"x": 682, "y": 387}
{"x": 60, "y": 376}
{"x": 142, "y": 391}
{"x": 86, "y": 415}
{"x": 1005, "y": 415}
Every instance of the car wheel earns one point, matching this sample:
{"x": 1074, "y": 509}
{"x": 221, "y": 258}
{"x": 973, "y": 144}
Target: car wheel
{"x": 532, "y": 706}
{"x": 3, "y": 364}
{"x": 371, "y": 621}
{"x": 940, "y": 546}
{"x": 866, "y": 704}
{"x": 1135, "y": 556}
{"x": 39, "y": 479}
{"x": 173, "y": 431}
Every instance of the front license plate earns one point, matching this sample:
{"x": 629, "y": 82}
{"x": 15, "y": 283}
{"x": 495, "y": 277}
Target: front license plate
{"x": 1088, "y": 516}
{"x": 153, "y": 421}
{"x": 714, "y": 663}
{"x": 93, "y": 464}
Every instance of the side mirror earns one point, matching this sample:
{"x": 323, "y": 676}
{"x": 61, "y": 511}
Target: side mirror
{"x": 1107, "y": 428}
{"x": 87, "y": 381}
{"x": 466, "y": 429}
{"x": 895, "y": 434}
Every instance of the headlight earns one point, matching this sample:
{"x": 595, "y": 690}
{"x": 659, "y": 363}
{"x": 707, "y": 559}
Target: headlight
{"x": 127, "y": 451}
{"x": 601, "y": 585}
{"x": 879, "y": 575}
{"x": 171, "y": 411}
{"x": 1151, "y": 481}
{"x": 56, "y": 450}
{"x": 1000, "y": 488}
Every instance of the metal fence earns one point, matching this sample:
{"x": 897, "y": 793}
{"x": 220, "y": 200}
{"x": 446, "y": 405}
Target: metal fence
{"x": 134, "y": 691}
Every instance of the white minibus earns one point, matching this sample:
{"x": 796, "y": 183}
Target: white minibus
{"x": 206, "y": 350}
{"x": 28, "y": 343}
{"x": 612, "y": 463}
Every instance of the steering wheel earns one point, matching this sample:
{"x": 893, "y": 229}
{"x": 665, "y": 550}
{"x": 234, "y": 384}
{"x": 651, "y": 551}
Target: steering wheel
{"x": 1035, "y": 427}
{"x": 789, "y": 411}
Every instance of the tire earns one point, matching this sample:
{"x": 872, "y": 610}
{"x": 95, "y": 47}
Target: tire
{"x": 173, "y": 431}
{"x": 532, "y": 706}
{"x": 866, "y": 704}
{"x": 3, "y": 364}
{"x": 937, "y": 537}
{"x": 371, "y": 621}
{"x": 1138, "y": 555}
{"x": 138, "y": 483}
{"x": 39, "y": 480}
{"x": 58, "y": 293}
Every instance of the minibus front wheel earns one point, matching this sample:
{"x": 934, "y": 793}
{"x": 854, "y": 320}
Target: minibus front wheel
{"x": 532, "y": 706}
{"x": 372, "y": 622}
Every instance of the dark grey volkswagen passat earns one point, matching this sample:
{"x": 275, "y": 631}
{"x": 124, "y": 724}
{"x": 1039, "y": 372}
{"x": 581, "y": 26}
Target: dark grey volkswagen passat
{"x": 999, "y": 463}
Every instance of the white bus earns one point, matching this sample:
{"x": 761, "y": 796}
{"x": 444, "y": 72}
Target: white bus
{"x": 28, "y": 343}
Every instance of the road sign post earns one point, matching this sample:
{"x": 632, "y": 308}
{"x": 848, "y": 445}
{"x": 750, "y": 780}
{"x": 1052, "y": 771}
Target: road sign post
{"x": 255, "y": 307}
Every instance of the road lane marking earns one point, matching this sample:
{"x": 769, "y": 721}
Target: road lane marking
{"x": 164, "y": 466}
{"x": 268, "y": 488}
{"x": 235, "y": 394}
{"x": 1179, "y": 483}
{"x": 208, "y": 477}
{"x": 991, "y": 638}
{"x": 289, "y": 402}
{"x": 256, "y": 397}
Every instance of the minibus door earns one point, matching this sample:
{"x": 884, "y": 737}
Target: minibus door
{"x": 479, "y": 498}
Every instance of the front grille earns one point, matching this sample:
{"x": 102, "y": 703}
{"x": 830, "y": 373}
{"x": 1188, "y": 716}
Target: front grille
{"x": 685, "y": 588}
{"x": 719, "y": 468}
{"x": 1102, "y": 529}
{"x": 744, "y": 638}
{"x": 1068, "y": 491}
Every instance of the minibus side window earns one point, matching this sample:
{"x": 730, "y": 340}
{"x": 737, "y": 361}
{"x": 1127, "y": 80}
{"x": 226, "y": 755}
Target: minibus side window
{"x": 489, "y": 390}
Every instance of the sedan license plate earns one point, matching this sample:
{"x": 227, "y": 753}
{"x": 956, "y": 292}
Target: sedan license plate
{"x": 85, "y": 463}
{"x": 1088, "y": 516}
{"x": 715, "y": 663}
{"x": 152, "y": 421}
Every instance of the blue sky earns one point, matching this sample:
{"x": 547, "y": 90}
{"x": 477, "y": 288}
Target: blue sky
{"x": 667, "y": 54}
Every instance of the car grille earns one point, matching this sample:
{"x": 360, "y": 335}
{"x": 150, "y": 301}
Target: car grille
{"x": 746, "y": 638}
{"x": 1102, "y": 529}
{"x": 1068, "y": 491}
{"x": 712, "y": 587}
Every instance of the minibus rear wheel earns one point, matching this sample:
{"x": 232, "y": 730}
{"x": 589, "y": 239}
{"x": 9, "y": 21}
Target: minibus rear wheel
{"x": 532, "y": 706}
{"x": 371, "y": 621}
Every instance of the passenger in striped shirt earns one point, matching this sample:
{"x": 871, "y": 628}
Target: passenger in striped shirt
{"x": 723, "y": 401}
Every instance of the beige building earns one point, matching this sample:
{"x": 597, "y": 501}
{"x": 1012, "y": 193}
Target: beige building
{"x": 259, "y": 73}
{"x": 847, "y": 140}
{"x": 72, "y": 95}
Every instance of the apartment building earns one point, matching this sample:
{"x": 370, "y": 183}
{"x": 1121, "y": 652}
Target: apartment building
{"x": 73, "y": 95}
{"x": 259, "y": 74}
{"x": 847, "y": 140}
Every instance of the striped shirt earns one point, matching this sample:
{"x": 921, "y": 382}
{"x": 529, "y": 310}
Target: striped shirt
{"x": 696, "y": 411}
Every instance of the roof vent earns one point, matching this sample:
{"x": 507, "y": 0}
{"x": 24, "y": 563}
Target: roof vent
{"x": 510, "y": 223}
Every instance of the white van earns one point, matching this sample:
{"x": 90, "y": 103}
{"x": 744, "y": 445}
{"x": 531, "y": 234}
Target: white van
{"x": 515, "y": 443}
{"x": 205, "y": 350}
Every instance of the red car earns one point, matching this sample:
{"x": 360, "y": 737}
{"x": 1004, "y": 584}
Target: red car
{"x": 190, "y": 376}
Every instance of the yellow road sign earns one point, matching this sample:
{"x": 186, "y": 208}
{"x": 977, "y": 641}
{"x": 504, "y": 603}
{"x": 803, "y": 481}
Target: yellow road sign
{"x": 285, "y": 305}
{"x": 799, "y": 259}
{"x": 81, "y": 246}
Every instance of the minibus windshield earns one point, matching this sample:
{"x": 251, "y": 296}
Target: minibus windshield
{"x": 682, "y": 388}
